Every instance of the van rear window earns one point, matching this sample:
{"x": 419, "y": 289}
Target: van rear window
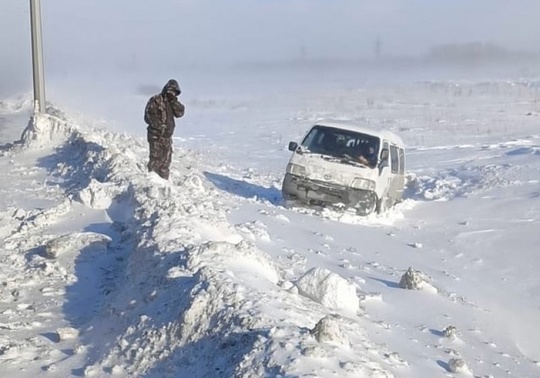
{"x": 401, "y": 161}
{"x": 394, "y": 159}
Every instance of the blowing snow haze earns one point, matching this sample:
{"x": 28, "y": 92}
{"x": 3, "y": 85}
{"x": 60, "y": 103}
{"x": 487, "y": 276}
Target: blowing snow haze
{"x": 139, "y": 36}
{"x": 95, "y": 50}
{"x": 108, "y": 271}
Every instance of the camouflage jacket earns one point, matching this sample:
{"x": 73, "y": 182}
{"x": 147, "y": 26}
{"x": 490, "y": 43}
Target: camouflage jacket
{"x": 161, "y": 110}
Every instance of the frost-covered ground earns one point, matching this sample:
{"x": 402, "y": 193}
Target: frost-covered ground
{"x": 106, "y": 270}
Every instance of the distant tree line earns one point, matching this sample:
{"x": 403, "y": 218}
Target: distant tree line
{"x": 477, "y": 53}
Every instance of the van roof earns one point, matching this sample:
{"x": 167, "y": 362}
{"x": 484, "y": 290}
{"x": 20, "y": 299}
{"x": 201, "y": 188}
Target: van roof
{"x": 347, "y": 125}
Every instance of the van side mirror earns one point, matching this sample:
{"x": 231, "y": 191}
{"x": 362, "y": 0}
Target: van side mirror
{"x": 385, "y": 154}
{"x": 293, "y": 146}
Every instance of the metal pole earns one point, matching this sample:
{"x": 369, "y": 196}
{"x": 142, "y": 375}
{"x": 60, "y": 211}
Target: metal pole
{"x": 37, "y": 56}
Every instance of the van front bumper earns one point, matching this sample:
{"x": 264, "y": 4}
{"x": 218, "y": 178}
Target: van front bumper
{"x": 296, "y": 188}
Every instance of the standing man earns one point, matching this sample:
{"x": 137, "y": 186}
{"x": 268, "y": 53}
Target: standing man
{"x": 159, "y": 114}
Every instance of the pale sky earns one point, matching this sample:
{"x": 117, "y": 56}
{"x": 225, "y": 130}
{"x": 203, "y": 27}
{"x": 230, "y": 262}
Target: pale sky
{"x": 120, "y": 33}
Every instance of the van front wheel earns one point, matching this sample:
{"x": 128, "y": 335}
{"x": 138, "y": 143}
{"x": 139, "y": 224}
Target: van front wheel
{"x": 367, "y": 205}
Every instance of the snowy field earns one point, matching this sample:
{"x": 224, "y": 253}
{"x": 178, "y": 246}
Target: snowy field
{"x": 107, "y": 270}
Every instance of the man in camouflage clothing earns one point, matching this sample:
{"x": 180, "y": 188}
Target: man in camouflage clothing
{"x": 159, "y": 114}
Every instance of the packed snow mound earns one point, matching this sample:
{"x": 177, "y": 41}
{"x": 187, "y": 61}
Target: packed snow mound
{"x": 45, "y": 130}
{"x": 329, "y": 289}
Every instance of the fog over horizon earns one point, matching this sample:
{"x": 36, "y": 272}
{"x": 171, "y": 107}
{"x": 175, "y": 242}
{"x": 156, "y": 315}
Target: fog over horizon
{"x": 121, "y": 35}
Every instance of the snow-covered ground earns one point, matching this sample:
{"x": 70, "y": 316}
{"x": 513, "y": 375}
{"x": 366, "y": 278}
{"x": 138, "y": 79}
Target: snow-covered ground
{"x": 107, "y": 270}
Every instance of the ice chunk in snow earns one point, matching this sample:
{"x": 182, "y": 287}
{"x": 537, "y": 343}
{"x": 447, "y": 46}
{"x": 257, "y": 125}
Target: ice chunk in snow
{"x": 329, "y": 289}
{"x": 98, "y": 195}
{"x": 329, "y": 330}
{"x": 416, "y": 280}
{"x": 67, "y": 333}
{"x": 450, "y": 332}
{"x": 457, "y": 365}
{"x": 91, "y": 371}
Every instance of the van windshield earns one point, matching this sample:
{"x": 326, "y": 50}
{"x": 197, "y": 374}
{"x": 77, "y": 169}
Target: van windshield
{"x": 339, "y": 143}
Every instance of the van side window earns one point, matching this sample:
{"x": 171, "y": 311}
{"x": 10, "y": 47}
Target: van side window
{"x": 394, "y": 159}
{"x": 401, "y": 161}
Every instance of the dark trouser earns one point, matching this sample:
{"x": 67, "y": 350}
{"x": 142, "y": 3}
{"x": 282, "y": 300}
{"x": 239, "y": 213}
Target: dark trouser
{"x": 160, "y": 156}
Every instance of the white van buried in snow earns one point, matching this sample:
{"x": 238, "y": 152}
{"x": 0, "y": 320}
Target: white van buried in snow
{"x": 347, "y": 165}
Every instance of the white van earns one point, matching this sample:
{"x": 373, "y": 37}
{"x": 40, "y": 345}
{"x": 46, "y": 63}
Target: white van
{"x": 345, "y": 164}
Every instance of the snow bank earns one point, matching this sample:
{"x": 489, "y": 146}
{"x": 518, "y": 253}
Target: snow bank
{"x": 204, "y": 290}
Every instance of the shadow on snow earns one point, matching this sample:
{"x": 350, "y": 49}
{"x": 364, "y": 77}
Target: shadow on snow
{"x": 390, "y": 284}
{"x": 245, "y": 189}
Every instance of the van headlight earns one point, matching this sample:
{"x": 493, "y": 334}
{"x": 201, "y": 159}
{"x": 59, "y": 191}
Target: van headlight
{"x": 295, "y": 169}
{"x": 364, "y": 184}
